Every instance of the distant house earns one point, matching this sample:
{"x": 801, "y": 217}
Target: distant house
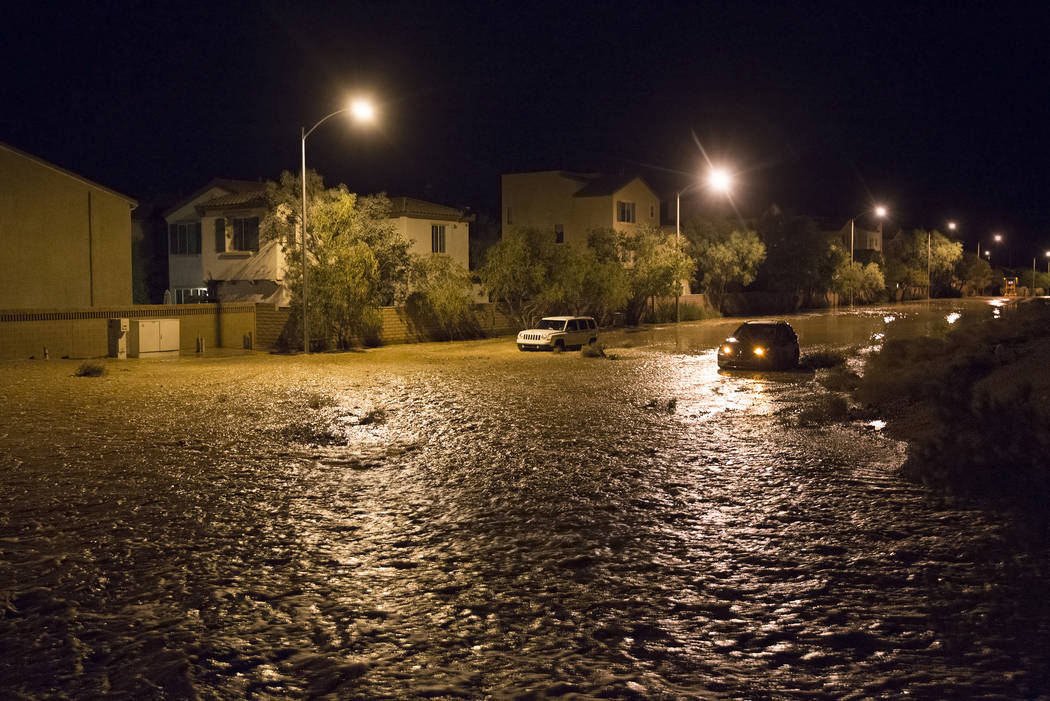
{"x": 571, "y": 204}
{"x": 215, "y": 253}
{"x": 866, "y": 242}
{"x": 433, "y": 228}
{"x": 65, "y": 241}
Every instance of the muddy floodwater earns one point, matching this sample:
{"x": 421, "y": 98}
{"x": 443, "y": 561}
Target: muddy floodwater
{"x": 466, "y": 521}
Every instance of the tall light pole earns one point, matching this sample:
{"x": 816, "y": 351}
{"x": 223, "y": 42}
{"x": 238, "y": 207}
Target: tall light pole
{"x": 362, "y": 111}
{"x": 718, "y": 179}
{"x": 880, "y": 212}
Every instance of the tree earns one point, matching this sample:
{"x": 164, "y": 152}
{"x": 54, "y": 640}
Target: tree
{"x": 516, "y": 271}
{"x": 726, "y": 258}
{"x": 357, "y": 259}
{"x": 441, "y": 296}
{"x": 974, "y": 272}
{"x": 799, "y": 259}
{"x": 865, "y": 282}
{"x": 907, "y": 255}
{"x": 655, "y": 265}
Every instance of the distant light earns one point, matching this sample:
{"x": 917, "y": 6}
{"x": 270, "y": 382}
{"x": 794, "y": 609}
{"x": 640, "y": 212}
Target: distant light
{"x": 952, "y": 226}
{"x": 998, "y": 238}
{"x": 988, "y": 254}
{"x": 720, "y": 180}
{"x": 880, "y": 211}
{"x": 1048, "y": 254}
{"x": 363, "y": 110}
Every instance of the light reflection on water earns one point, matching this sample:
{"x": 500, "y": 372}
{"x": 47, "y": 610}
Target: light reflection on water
{"x": 496, "y": 524}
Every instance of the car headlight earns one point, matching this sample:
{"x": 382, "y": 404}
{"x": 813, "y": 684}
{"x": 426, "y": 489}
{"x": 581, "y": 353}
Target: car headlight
{"x": 727, "y": 350}
{"x": 759, "y": 351}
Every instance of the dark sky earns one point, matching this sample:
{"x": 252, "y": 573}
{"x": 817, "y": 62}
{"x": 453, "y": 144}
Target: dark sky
{"x": 939, "y": 109}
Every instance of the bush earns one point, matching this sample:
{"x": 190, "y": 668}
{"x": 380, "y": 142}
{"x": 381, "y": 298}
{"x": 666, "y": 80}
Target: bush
{"x": 90, "y": 369}
{"x": 593, "y": 350}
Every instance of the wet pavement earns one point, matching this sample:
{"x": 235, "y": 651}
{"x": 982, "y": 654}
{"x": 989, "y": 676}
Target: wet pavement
{"x": 466, "y": 521}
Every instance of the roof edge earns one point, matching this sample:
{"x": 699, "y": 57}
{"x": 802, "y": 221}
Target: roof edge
{"x": 68, "y": 173}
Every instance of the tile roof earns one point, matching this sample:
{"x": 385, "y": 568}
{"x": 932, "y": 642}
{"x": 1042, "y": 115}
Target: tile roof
{"x": 234, "y": 199}
{"x": 421, "y": 209}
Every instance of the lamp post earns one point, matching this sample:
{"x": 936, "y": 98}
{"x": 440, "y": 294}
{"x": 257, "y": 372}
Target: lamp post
{"x": 719, "y": 180}
{"x": 362, "y": 111}
{"x": 880, "y": 212}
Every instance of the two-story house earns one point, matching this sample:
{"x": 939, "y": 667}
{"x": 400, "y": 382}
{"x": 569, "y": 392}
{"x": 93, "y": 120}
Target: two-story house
{"x": 65, "y": 241}
{"x": 215, "y": 253}
{"x": 571, "y": 204}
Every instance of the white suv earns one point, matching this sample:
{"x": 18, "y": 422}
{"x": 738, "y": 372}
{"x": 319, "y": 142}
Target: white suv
{"x": 559, "y": 332}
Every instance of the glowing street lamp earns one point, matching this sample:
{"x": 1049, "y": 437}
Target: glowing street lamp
{"x": 952, "y": 226}
{"x": 1048, "y": 262}
{"x": 998, "y": 238}
{"x": 880, "y": 212}
{"x": 363, "y": 111}
{"x": 718, "y": 179}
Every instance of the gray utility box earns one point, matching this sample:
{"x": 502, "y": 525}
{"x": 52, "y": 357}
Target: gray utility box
{"x": 149, "y": 338}
{"x": 117, "y": 333}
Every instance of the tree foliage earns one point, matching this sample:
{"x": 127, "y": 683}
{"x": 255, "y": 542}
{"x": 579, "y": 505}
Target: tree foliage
{"x": 441, "y": 296}
{"x": 865, "y": 283}
{"x": 517, "y": 270}
{"x": 357, "y": 260}
{"x": 800, "y": 259}
{"x": 726, "y": 255}
{"x": 974, "y": 272}
{"x": 655, "y": 264}
{"x": 906, "y": 261}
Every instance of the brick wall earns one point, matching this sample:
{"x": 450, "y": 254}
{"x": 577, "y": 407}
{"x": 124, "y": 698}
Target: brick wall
{"x": 81, "y": 333}
{"x": 397, "y": 327}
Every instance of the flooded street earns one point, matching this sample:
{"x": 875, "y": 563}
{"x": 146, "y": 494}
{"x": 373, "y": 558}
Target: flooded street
{"x": 466, "y": 521}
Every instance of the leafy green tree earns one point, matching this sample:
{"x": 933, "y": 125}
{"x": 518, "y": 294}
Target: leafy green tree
{"x": 865, "y": 282}
{"x": 587, "y": 279}
{"x": 906, "y": 261}
{"x": 800, "y": 259}
{"x": 441, "y": 296}
{"x": 974, "y": 272}
{"x": 655, "y": 264}
{"x": 727, "y": 258}
{"x": 517, "y": 270}
{"x": 357, "y": 259}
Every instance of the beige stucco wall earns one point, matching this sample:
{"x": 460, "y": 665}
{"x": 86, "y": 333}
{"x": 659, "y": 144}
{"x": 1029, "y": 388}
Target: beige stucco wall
{"x": 63, "y": 241}
{"x": 417, "y": 231}
{"x": 545, "y": 199}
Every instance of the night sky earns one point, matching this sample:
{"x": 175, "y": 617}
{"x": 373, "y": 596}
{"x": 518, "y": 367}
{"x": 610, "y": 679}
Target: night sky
{"x": 940, "y": 110}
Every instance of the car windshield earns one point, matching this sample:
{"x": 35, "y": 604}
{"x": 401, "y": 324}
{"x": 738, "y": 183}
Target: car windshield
{"x": 552, "y": 324}
{"x": 756, "y": 333}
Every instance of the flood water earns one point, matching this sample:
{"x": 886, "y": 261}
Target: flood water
{"x": 466, "y": 521}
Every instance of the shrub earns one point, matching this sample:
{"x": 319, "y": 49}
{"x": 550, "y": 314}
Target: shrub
{"x": 665, "y": 313}
{"x": 593, "y": 350}
{"x": 90, "y": 369}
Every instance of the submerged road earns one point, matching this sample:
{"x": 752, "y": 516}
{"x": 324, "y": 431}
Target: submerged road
{"x": 463, "y": 520}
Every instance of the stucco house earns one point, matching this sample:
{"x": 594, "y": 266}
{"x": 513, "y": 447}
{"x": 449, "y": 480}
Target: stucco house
{"x": 433, "y": 228}
{"x": 65, "y": 241}
{"x": 571, "y": 204}
{"x": 866, "y": 242}
{"x": 215, "y": 253}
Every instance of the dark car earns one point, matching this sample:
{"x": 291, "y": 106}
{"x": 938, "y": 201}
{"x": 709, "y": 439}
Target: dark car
{"x": 760, "y": 345}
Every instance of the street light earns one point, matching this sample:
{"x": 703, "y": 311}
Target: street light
{"x": 718, "y": 179}
{"x": 880, "y": 212}
{"x": 363, "y": 111}
{"x": 998, "y": 238}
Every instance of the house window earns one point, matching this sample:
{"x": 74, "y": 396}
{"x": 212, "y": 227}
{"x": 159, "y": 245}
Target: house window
{"x": 625, "y": 212}
{"x": 508, "y": 216}
{"x": 559, "y": 233}
{"x": 437, "y": 238}
{"x": 245, "y": 233}
{"x": 220, "y": 235}
{"x": 185, "y": 237}
{"x": 652, "y": 211}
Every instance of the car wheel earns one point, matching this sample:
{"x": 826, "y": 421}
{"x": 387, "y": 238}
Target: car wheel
{"x": 559, "y": 346}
